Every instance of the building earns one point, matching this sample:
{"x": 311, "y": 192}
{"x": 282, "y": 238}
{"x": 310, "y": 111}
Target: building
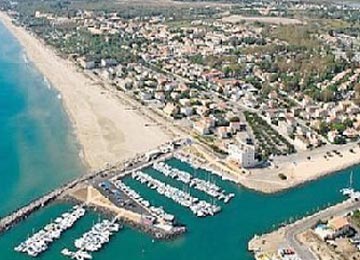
{"x": 86, "y": 63}
{"x": 223, "y": 132}
{"x": 243, "y": 154}
{"x": 171, "y": 109}
{"x": 285, "y": 128}
{"x": 201, "y": 127}
{"x": 339, "y": 225}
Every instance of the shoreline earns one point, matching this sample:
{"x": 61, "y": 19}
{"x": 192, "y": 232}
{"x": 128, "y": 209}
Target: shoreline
{"x": 299, "y": 170}
{"x": 106, "y": 131}
{"x": 267, "y": 181}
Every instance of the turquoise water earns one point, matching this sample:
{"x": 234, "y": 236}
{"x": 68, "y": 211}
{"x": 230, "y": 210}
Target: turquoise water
{"x": 224, "y": 236}
{"x": 38, "y": 152}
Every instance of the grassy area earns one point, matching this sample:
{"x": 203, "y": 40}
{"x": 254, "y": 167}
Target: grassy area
{"x": 299, "y": 36}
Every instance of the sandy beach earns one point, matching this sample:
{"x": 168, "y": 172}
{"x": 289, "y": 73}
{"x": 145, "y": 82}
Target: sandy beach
{"x": 106, "y": 129}
{"x": 109, "y": 130}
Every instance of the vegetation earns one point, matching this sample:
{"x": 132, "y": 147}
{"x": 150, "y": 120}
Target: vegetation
{"x": 270, "y": 142}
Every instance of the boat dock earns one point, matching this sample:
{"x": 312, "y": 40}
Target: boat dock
{"x": 93, "y": 240}
{"x": 207, "y": 187}
{"x": 200, "y": 208}
{"x": 122, "y": 169}
{"x": 40, "y": 241}
{"x": 157, "y": 213}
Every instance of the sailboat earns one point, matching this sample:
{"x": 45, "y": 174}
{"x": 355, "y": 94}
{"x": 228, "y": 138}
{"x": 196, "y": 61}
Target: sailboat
{"x": 349, "y": 190}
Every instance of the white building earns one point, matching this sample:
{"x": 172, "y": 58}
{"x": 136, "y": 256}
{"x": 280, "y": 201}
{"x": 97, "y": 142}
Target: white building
{"x": 243, "y": 154}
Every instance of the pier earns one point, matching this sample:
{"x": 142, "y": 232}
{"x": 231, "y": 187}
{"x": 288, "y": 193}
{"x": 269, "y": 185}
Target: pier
{"x": 126, "y": 167}
{"x": 40, "y": 241}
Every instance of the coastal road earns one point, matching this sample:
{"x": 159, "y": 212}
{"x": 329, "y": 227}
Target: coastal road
{"x": 301, "y": 226}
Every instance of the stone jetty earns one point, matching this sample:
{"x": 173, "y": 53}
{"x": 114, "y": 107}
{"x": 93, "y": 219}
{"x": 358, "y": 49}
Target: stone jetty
{"x": 22, "y": 213}
{"x": 140, "y": 160}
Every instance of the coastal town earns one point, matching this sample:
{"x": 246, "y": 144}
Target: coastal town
{"x": 240, "y": 88}
{"x": 261, "y": 94}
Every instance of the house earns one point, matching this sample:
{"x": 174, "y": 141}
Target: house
{"x": 86, "y": 63}
{"x": 339, "y": 225}
{"x": 160, "y": 95}
{"x": 187, "y": 111}
{"x": 223, "y": 132}
{"x": 201, "y": 127}
{"x": 323, "y": 231}
{"x": 332, "y": 136}
{"x": 185, "y": 102}
{"x": 210, "y": 121}
{"x": 202, "y": 110}
{"x": 108, "y": 62}
{"x": 171, "y": 109}
{"x": 351, "y": 133}
{"x": 273, "y": 95}
{"x": 235, "y": 126}
{"x": 285, "y": 128}
{"x": 211, "y": 75}
{"x": 146, "y": 96}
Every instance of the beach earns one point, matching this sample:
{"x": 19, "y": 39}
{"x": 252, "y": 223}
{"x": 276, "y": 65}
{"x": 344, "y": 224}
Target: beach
{"x": 107, "y": 131}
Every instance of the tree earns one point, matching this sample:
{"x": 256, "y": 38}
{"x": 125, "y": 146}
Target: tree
{"x": 323, "y": 128}
{"x": 348, "y": 122}
{"x": 327, "y": 95}
{"x": 340, "y": 127}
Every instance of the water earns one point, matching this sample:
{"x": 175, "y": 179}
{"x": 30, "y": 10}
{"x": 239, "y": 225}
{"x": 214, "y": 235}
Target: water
{"x": 224, "y": 236}
{"x": 38, "y": 152}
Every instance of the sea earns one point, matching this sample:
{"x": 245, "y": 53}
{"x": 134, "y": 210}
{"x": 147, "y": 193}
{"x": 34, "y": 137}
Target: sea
{"x": 38, "y": 152}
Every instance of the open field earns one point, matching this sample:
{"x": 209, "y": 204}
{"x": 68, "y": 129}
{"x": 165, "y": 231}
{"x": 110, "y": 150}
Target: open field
{"x": 273, "y": 20}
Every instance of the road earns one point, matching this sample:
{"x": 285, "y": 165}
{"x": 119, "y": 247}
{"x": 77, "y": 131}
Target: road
{"x": 301, "y": 226}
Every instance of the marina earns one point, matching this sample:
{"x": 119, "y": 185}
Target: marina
{"x": 122, "y": 169}
{"x": 40, "y": 241}
{"x": 125, "y": 190}
{"x": 114, "y": 95}
{"x": 200, "y": 208}
{"x": 156, "y": 212}
{"x": 206, "y": 186}
{"x": 93, "y": 240}
{"x": 237, "y": 222}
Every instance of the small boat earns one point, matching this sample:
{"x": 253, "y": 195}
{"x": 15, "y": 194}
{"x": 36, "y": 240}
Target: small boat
{"x": 349, "y": 191}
